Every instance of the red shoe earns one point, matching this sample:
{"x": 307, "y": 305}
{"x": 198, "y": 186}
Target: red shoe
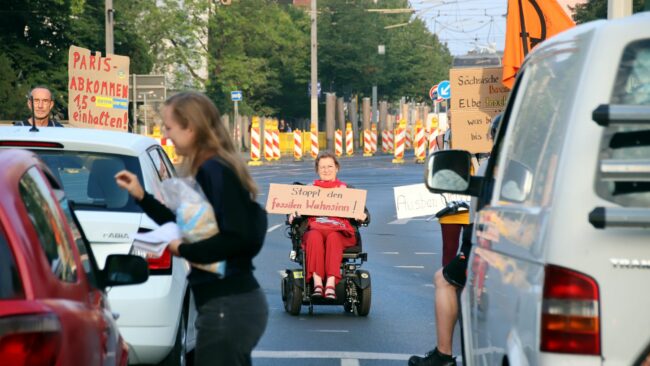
{"x": 318, "y": 291}
{"x": 330, "y": 293}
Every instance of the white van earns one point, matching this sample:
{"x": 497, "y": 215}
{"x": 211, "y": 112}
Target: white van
{"x": 560, "y": 267}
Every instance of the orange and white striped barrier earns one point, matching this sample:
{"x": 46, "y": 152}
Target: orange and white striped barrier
{"x": 408, "y": 141}
{"x": 400, "y": 140}
{"x": 297, "y": 145}
{"x": 384, "y": 141}
{"x": 314, "y": 142}
{"x": 256, "y": 143}
{"x": 276, "y": 144}
{"x": 268, "y": 144}
{"x": 367, "y": 143}
{"x": 433, "y": 143}
{"x": 391, "y": 140}
{"x": 349, "y": 140}
{"x": 373, "y": 139}
{"x": 420, "y": 145}
{"x": 338, "y": 143}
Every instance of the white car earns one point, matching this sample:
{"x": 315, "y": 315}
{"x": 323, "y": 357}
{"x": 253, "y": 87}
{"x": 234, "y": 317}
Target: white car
{"x": 560, "y": 267}
{"x": 156, "y": 318}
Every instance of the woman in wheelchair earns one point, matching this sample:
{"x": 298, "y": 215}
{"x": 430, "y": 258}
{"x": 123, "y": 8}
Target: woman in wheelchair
{"x": 327, "y": 237}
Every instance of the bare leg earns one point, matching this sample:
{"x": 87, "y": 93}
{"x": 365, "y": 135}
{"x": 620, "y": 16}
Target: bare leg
{"x": 331, "y": 281}
{"x": 446, "y": 312}
{"x": 318, "y": 281}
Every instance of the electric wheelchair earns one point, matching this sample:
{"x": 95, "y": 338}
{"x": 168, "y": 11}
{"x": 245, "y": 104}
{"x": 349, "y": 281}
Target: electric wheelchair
{"x": 354, "y": 290}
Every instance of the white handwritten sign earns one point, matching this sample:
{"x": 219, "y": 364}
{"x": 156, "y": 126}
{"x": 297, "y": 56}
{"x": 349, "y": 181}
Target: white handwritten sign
{"x": 416, "y": 200}
{"x": 315, "y": 201}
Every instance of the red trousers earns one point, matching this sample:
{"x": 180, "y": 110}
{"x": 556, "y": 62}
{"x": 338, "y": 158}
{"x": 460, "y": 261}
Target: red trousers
{"x": 450, "y": 241}
{"x": 324, "y": 252}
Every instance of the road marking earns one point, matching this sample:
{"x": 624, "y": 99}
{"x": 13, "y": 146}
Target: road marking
{"x": 273, "y": 228}
{"x": 349, "y": 362}
{"x": 330, "y": 330}
{"x": 404, "y": 221}
{"x": 392, "y": 253}
{"x": 332, "y": 354}
{"x": 425, "y": 253}
{"x": 429, "y": 285}
{"x": 417, "y": 267}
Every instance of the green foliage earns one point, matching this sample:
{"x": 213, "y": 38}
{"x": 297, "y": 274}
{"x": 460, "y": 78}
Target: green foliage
{"x": 597, "y": 9}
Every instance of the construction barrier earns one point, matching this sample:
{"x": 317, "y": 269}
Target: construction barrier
{"x": 367, "y": 143}
{"x": 384, "y": 141}
{"x": 433, "y": 143}
{"x": 373, "y": 138}
{"x": 400, "y": 140}
{"x": 391, "y": 138}
{"x": 276, "y": 142}
{"x": 420, "y": 144}
{"x": 256, "y": 143}
{"x": 408, "y": 138}
{"x": 314, "y": 140}
{"x": 297, "y": 145}
{"x": 338, "y": 143}
{"x": 349, "y": 140}
{"x": 268, "y": 142}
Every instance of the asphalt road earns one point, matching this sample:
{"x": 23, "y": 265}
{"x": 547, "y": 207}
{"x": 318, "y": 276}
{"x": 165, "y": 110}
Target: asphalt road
{"x": 402, "y": 258}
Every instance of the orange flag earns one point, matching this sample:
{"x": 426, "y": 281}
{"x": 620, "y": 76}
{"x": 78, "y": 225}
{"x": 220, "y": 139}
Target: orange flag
{"x": 529, "y": 22}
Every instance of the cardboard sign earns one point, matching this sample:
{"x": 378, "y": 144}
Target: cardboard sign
{"x": 415, "y": 200}
{"x": 477, "y": 89}
{"x": 471, "y": 131}
{"x": 479, "y": 95}
{"x": 98, "y": 90}
{"x": 316, "y": 201}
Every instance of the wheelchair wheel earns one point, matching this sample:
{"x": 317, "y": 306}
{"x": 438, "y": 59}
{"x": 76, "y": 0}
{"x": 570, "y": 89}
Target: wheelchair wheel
{"x": 293, "y": 297}
{"x": 362, "y": 307}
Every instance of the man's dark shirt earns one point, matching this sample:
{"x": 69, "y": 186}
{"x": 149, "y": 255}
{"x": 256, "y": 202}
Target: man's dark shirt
{"x": 51, "y": 122}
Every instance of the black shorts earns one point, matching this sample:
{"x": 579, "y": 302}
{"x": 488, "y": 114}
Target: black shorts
{"x": 456, "y": 271}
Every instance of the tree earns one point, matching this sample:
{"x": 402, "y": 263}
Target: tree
{"x": 597, "y": 9}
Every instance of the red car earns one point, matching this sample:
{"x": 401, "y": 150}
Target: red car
{"x": 53, "y": 307}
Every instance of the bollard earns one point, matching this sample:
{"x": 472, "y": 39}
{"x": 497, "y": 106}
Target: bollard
{"x": 338, "y": 143}
{"x": 349, "y": 140}
{"x": 256, "y": 145}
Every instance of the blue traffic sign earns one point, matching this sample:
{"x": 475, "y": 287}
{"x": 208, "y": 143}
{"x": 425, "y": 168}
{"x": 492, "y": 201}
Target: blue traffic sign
{"x": 236, "y": 96}
{"x": 444, "y": 89}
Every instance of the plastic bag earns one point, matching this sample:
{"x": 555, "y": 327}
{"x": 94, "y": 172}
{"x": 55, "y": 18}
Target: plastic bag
{"x": 194, "y": 215}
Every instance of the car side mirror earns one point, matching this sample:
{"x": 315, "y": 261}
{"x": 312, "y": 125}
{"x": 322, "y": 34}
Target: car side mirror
{"x": 124, "y": 269}
{"x": 448, "y": 171}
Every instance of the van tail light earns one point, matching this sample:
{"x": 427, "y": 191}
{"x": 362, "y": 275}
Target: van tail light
{"x": 157, "y": 265}
{"x": 30, "y": 340}
{"x": 570, "y": 313}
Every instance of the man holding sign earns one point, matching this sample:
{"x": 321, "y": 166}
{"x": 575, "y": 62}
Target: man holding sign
{"x": 329, "y": 231}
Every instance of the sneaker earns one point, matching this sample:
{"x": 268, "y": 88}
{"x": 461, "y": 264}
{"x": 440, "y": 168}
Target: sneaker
{"x": 433, "y": 358}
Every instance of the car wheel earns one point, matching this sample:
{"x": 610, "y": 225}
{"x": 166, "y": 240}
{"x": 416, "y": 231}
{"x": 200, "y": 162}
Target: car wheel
{"x": 178, "y": 355}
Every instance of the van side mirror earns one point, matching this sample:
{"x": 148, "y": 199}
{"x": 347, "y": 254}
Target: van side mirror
{"x": 123, "y": 269}
{"x": 448, "y": 171}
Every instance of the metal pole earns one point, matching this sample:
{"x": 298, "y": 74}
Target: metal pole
{"x": 146, "y": 132}
{"x": 109, "y": 26}
{"x": 234, "y": 130}
{"x": 135, "y": 106}
{"x": 374, "y": 104}
{"x": 314, "y": 64}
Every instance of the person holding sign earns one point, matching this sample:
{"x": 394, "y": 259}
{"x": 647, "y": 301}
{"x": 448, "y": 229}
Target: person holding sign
{"x": 40, "y": 101}
{"x": 326, "y": 237}
{"x": 232, "y": 309}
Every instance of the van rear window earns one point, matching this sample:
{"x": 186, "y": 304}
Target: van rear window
{"x": 88, "y": 178}
{"x": 630, "y": 142}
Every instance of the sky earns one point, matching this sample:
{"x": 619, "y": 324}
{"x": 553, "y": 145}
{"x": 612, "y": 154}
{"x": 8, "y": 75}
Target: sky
{"x": 467, "y": 24}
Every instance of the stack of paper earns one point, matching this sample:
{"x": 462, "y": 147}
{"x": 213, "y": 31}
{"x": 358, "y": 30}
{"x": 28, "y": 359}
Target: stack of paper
{"x": 156, "y": 241}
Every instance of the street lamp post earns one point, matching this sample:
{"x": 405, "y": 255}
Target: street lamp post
{"x": 314, "y": 65}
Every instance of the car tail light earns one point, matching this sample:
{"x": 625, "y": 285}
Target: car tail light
{"x": 30, "y": 340}
{"x": 31, "y": 144}
{"x": 570, "y": 313}
{"x": 157, "y": 265}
